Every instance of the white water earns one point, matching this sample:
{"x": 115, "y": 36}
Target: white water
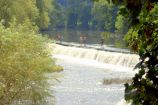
{"x": 114, "y": 58}
{"x": 84, "y": 72}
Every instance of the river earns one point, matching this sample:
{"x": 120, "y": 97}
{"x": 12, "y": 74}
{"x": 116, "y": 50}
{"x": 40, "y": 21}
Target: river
{"x": 81, "y": 82}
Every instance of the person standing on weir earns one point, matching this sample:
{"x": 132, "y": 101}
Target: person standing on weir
{"x": 59, "y": 38}
{"x": 102, "y": 42}
{"x": 81, "y": 40}
{"x": 84, "y": 40}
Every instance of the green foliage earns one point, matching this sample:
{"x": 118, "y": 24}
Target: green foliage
{"x": 24, "y": 60}
{"x": 37, "y": 11}
{"x": 84, "y": 15}
{"x": 122, "y": 24}
{"x": 114, "y": 39}
{"x": 24, "y": 54}
{"x": 104, "y": 15}
{"x": 78, "y": 13}
{"x": 45, "y": 8}
{"x": 58, "y": 16}
{"x": 84, "y": 19}
{"x": 18, "y": 9}
{"x": 143, "y": 38}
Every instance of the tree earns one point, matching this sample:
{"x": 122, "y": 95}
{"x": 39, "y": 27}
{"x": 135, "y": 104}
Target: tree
{"x": 45, "y": 8}
{"x": 143, "y": 38}
{"x": 122, "y": 24}
{"x": 85, "y": 15}
{"x": 37, "y": 11}
{"x": 24, "y": 60}
{"x": 18, "y": 9}
{"x": 24, "y": 56}
{"x": 104, "y": 15}
{"x": 58, "y": 16}
{"x": 73, "y": 13}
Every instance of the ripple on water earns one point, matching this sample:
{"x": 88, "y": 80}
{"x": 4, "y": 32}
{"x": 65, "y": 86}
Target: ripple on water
{"x": 82, "y": 84}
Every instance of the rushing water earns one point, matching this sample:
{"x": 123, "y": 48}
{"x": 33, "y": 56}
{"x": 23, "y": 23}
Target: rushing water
{"x": 91, "y": 77}
{"x": 81, "y": 82}
{"x": 114, "y": 58}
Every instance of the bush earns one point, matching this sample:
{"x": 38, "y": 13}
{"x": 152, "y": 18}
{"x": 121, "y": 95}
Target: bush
{"x": 143, "y": 38}
{"x": 23, "y": 61}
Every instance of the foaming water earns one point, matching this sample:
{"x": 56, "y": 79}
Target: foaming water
{"x": 123, "y": 102}
{"x": 95, "y": 63}
{"x": 92, "y": 77}
{"x": 114, "y": 58}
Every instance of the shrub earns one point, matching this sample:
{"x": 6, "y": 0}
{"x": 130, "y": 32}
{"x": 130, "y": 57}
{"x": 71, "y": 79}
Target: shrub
{"x": 23, "y": 61}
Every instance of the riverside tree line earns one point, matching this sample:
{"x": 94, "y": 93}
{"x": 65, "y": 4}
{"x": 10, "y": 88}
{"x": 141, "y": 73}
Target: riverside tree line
{"x": 88, "y": 15}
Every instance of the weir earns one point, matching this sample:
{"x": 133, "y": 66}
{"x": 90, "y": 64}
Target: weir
{"x": 91, "y": 76}
{"x": 108, "y": 48}
{"x": 114, "y": 58}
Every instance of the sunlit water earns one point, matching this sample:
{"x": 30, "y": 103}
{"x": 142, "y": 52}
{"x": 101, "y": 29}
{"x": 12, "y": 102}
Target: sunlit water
{"x": 81, "y": 82}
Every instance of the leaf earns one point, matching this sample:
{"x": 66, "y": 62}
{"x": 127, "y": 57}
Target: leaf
{"x": 138, "y": 65}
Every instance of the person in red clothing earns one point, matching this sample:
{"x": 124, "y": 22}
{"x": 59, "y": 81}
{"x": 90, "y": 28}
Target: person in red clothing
{"x": 59, "y": 38}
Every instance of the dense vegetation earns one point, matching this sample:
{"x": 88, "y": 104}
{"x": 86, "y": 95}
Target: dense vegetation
{"x": 37, "y": 11}
{"x": 143, "y": 38}
{"x": 75, "y": 18}
{"x": 24, "y": 56}
{"x": 87, "y": 15}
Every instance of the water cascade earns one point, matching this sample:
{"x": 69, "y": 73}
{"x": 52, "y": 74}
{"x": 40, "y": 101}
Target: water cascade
{"x": 91, "y": 75}
{"x": 114, "y": 58}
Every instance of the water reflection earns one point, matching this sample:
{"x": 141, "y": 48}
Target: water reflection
{"x": 93, "y": 37}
